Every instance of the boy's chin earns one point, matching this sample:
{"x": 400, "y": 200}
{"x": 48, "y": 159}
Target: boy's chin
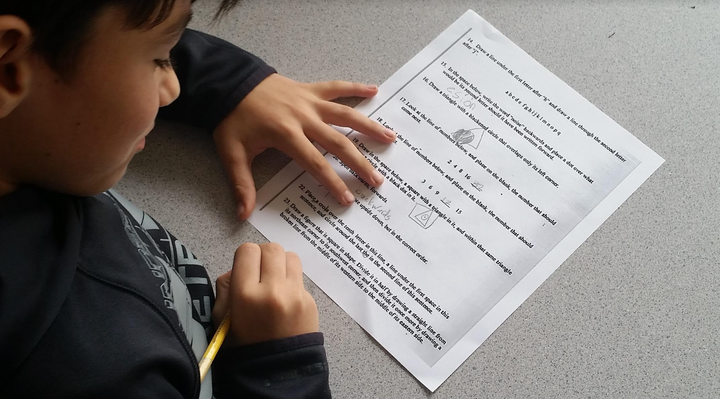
{"x": 107, "y": 185}
{"x": 91, "y": 187}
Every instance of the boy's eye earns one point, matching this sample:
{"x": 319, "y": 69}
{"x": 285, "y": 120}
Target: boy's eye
{"x": 164, "y": 63}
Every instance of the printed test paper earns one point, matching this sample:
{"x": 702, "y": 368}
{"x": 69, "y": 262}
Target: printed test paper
{"x": 499, "y": 172}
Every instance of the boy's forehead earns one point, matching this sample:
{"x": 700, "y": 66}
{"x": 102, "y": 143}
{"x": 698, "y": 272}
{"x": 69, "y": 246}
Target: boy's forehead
{"x": 111, "y": 41}
{"x": 177, "y": 21}
{"x": 116, "y": 18}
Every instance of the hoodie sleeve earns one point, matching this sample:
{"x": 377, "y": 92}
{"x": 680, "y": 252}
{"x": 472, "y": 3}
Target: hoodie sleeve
{"x": 294, "y": 367}
{"x": 214, "y": 76}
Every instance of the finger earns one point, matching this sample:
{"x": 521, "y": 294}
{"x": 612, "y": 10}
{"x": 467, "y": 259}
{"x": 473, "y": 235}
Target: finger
{"x": 342, "y": 115}
{"x": 338, "y": 88}
{"x": 310, "y": 159}
{"x": 238, "y": 164}
{"x": 338, "y": 144}
{"x": 273, "y": 264}
{"x": 294, "y": 268}
{"x": 222, "y": 299}
{"x": 246, "y": 267}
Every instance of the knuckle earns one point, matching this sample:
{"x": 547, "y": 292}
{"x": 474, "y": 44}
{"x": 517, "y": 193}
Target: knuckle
{"x": 277, "y": 302}
{"x": 247, "y": 247}
{"x": 244, "y": 296}
{"x": 223, "y": 280}
{"x": 288, "y": 301}
{"x": 272, "y": 247}
{"x": 284, "y": 128}
{"x": 242, "y": 185}
{"x": 300, "y": 303}
{"x": 338, "y": 141}
{"x": 317, "y": 163}
{"x": 345, "y": 112}
{"x": 306, "y": 304}
{"x": 293, "y": 257}
{"x": 310, "y": 302}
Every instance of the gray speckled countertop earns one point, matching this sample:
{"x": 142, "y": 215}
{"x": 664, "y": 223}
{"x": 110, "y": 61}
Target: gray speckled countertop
{"x": 633, "y": 313}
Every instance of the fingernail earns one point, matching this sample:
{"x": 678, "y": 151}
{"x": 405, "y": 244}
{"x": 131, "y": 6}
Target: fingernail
{"x": 240, "y": 210}
{"x": 390, "y": 134}
{"x": 372, "y": 87}
{"x": 348, "y": 197}
{"x": 377, "y": 178}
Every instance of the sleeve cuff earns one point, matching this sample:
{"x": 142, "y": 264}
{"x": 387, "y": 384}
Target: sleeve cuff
{"x": 240, "y": 92}
{"x": 274, "y": 347}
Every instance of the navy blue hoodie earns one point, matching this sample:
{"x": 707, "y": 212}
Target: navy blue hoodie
{"x": 98, "y": 300}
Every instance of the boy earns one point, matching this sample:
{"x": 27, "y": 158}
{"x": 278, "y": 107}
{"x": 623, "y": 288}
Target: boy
{"x": 96, "y": 298}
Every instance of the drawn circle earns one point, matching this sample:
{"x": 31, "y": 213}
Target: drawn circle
{"x": 463, "y": 136}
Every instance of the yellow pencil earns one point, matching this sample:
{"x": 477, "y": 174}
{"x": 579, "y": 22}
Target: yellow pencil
{"x": 214, "y": 346}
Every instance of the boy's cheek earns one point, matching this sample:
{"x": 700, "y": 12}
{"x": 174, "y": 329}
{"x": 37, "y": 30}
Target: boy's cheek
{"x": 88, "y": 170}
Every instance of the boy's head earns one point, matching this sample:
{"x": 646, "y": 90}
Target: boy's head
{"x": 81, "y": 82}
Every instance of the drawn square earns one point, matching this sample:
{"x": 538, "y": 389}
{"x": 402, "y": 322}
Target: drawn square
{"x": 423, "y": 216}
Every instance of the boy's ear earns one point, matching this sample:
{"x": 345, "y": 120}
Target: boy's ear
{"x": 15, "y": 41}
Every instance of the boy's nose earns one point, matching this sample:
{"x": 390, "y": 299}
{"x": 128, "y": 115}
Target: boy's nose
{"x": 169, "y": 89}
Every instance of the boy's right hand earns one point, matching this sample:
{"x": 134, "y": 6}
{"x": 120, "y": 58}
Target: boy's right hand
{"x": 266, "y": 296}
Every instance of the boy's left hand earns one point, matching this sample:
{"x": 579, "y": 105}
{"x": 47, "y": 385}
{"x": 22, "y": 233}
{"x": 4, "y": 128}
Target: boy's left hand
{"x": 284, "y": 114}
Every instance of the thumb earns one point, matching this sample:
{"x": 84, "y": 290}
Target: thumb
{"x": 244, "y": 191}
{"x": 222, "y": 299}
{"x": 238, "y": 166}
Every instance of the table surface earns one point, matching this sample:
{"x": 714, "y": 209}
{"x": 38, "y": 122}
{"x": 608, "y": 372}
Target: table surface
{"x": 633, "y": 313}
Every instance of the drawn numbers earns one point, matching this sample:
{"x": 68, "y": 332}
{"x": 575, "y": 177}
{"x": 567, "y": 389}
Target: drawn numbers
{"x": 477, "y": 186}
{"x": 431, "y": 187}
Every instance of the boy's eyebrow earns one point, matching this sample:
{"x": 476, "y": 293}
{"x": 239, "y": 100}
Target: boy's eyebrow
{"x": 173, "y": 32}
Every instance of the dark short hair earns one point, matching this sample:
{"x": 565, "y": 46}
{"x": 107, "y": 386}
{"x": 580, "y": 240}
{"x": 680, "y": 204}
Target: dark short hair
{"x": 61, "y": 26}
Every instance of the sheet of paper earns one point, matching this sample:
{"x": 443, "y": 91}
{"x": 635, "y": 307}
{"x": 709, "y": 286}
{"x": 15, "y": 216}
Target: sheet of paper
{"x": 499, "y": 172}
